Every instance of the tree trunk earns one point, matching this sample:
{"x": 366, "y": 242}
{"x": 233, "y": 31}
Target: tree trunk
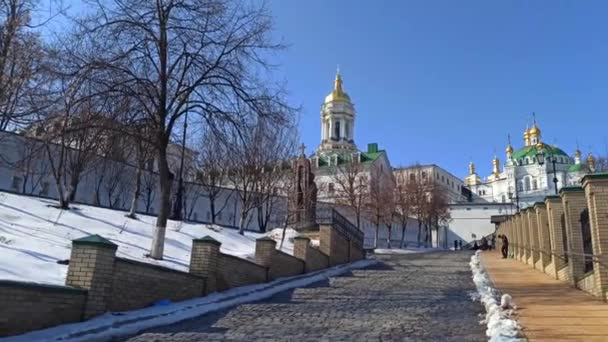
{"x": 158, "y": 241}
{"x": 376, "y": 236}
{"x": 419, "y": 232}
{"x": 242, "y": 219}
{"x": 403, "y": 231}
{"x": 74, "y": 180}
{"x": 136, "y": 192}
{"x": 212, "y": 208}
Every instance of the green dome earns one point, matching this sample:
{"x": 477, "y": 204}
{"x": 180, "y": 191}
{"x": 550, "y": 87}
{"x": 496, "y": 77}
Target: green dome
{"x": 531, "y": 151}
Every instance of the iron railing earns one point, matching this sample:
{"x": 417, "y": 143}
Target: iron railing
{"x": 332, "y": 217}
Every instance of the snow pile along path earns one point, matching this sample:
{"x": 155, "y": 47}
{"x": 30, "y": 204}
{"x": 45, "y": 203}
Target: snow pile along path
{"x": 501, "y": 325}
{"x": 112, "y": 325}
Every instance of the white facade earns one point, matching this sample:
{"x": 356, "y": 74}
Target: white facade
{"x": 524, "y": 178}
{"x": 449, "y": 183}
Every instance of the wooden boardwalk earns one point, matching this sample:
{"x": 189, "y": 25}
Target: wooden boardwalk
{"x": 549, "y": 310}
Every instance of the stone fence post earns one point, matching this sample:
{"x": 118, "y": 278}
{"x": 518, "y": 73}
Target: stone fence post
{"x": 300, "y": 247}
{"x": 596, "y": 191}
{"x": 91, "y": 268}
{"x": 574, "y": 202}
{"x": 265, "y": 249}
{"x": 204, "y": 261}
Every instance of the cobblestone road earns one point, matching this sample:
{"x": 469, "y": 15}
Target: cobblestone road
{"x": 415, "y": 297}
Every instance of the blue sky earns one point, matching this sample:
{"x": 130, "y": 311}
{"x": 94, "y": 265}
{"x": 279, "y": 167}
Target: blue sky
{"x": 445, "y": 81}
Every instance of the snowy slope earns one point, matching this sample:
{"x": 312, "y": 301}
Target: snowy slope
{"x": 34, "y": 236}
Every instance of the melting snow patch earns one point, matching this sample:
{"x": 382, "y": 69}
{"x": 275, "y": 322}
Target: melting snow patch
{"x": 501, "y": 325}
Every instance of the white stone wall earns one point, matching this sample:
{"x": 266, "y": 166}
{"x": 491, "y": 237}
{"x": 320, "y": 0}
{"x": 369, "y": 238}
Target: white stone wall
{"x": 471, "y": 221}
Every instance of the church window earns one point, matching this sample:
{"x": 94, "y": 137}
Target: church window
{"x": 534, "y": 184}
{"x": 527, "y": 160}
{"x": 504, "y": 199}
{"x": 520, "y": 186}
{"x": 330, "y": 188}
{"x": 424, "y": 174}
{"x": 412, "y": 177}
{"x": 533, "y": 159}
{"x": 437, "y": 176}
{"x": 346, "y": 129}
{"x": 527, "y": 184}
{"x": 337, "y": 130}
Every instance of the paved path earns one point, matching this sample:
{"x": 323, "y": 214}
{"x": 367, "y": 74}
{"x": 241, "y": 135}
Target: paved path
{"x": 415, "y": 297}
{"x": 549, "y": 309}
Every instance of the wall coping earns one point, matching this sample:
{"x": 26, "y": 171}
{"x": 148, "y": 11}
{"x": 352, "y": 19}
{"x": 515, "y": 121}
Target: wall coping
{"x": 95, "y": 240}
{"x": 207, "y": 239}
{"x": 602, "y": 175}
{"x": 552, "y": 197}
{"x": 300, "y": 237}
{"x": 158, "y": 267}
{"x": 538, "y": 204}
{"x": 45, "y": 287}
{"x": 265, "y": 239}
{"x": 570, "y": 189}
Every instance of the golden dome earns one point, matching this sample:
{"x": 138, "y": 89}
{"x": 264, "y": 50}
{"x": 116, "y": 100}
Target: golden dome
{"x": 526, "y": 133}
{"x": 337, "y": 94}
{"x": 534, "y": 131}
{"x": 471, "y": 168}
{"x": 509, "y": 149}
{"x": 577, "y": 153}
{"x": 591, "y": 158}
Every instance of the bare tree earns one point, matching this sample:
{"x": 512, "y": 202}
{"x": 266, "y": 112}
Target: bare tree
{"x": 380, "y": 202}
{"x": 351, "y": 188}
{"x": 21, "y": 54}
{"x": 404, "y": 202}
{"x": 206, "y": 58}
{"x": 143, "y": 153}
{"x": 213, "y": 158}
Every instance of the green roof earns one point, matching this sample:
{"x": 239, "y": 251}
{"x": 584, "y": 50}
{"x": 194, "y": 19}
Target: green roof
{"x": 531, "y": 151}
{"x": 578, "y": 168}
{"x": 346, "y": 157}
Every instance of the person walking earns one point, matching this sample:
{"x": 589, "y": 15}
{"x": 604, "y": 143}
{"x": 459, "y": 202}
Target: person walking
{"x": 493, "y": 245}
{"x": 505, "y": 246}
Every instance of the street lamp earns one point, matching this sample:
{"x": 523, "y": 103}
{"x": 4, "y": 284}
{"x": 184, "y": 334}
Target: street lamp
{"x": 178, "y": 204}
{"x": 540, "y": 156}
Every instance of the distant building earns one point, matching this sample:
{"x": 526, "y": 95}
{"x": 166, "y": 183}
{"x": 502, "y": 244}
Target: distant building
{"x": 452, "y": 185}
{"x": 525, "y": 178}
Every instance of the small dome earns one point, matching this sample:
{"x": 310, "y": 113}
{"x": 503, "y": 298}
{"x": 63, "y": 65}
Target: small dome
{"x": 577, "y": 153}
{"x": 337, "y": 94}
{"x": 509, "y": 149}
{"x": 591, "y": 158}
{"x": 534, "y": 131}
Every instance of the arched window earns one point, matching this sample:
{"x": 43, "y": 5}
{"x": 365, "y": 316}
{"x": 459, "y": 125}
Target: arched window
{"x": 337, "y": 130}
{"x": 527, "y": 183}
{"x": 534, "y": 184}
{"x": 527, "y": 160}
{"x": 533, "y": 159}
{"x": 564, "y": 237}
{"x": 587, "y": 243}
{"x": 520, "y": 186}
{"x": 346, "y": 129}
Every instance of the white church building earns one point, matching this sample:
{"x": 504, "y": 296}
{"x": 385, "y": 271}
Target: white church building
{"x": 530, "y": 173}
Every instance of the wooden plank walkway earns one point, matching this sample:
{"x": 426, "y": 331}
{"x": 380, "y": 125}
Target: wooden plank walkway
{"x": 549, "y": 309}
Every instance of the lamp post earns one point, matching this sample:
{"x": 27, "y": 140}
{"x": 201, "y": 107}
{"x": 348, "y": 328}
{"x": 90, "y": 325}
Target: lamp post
{"x": 178, "y": 204}
{"x": 540, "y": 156}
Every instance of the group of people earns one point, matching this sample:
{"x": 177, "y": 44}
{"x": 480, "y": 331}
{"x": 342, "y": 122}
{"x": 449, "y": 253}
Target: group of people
{"x": 490, "y": 244}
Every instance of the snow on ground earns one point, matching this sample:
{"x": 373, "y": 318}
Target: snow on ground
{"x": 409, "y": 250}
{"x": 34, "y": 236}
{"x": 277, "y": 234}
{"x": 501, "y": 326}
{"x": 107, "y": 326}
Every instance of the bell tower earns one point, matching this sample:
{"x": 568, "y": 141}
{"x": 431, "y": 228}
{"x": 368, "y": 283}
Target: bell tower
{"x": 337, "y": 121}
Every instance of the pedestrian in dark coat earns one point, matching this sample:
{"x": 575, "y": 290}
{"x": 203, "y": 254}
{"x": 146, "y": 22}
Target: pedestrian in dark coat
{"x": 505, "y": 246}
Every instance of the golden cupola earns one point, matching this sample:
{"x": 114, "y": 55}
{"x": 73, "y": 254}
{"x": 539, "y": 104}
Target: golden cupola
{"x": 496, "y": 167}
{"x": 472, "y": 178}
{"x": 337, "y": 94}
{"x": 527, "y": 137}
{"x": 509, "y": 149}
{"x": 591, "y": 162}
{"x": 577, "y": 156}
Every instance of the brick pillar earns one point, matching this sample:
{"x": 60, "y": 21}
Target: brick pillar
{"x": 91, "y": 268}
{"x": 596, "y": 192}
{"x": 204, "y": 261}
{"x": 574, "y": 202}
{"x": 534, "y": 245}
{"x": 521, "y": 238}
{"x": 265, "y": 249}
{"x": 527, "y": 237}
{"x": 544, "y": 241}
{"x": 556, "y": 233}
{"x": 300, "y": 247}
